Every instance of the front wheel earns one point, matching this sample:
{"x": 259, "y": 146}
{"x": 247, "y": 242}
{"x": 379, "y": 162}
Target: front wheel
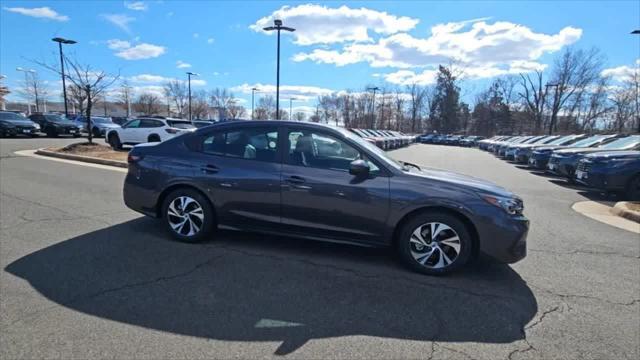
{"x": 434, "y": 243}
{"x": 114, "y": 141}
{"x": 188, "y": 215}
{"x": 632, "y": 192}
{"x": 96, "y": 132}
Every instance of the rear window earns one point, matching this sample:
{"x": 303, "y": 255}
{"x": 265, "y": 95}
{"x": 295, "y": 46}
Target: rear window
{"x": 180, "y": 124}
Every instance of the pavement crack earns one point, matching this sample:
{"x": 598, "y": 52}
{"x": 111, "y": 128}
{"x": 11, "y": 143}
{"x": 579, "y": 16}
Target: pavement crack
{"x": 521, "y": 351}
{"x": 589, "y": 297}
{"x": 590, "y": 252}
{"x": 541, "y": 318}
{"x": 94, "y": 295}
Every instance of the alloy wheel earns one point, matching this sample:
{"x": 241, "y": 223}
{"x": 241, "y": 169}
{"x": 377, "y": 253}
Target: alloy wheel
{"x": 185, "y": 216}
{"x": 435, "y": 245}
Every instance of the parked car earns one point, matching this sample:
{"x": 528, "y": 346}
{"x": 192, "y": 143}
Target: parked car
{"x": 321, "y": 183}
{"x": 470, "y": 141}
{"x": 566, "y": 160}
{"x": 426, "y": 138}
{"x": 55, "y": 125}
{"x": 99, "y": 125}
{"x": 611, "y": 171}
{"x": 508, "y": 151}
{"x": 539, "y": 161}
{"x": 119, "y": 120}
{"x": 14, "y": 123}
{"x": 553, "y": 163}
{"x": 143, "y": 130}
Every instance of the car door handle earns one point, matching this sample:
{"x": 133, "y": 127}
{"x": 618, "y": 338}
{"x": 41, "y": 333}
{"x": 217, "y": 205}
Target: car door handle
{"x": 209, "y": 169}
{"x": 295, "y": 179}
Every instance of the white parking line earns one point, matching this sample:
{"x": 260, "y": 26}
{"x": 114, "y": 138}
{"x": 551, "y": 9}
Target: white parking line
{"x": 32, "y": 153}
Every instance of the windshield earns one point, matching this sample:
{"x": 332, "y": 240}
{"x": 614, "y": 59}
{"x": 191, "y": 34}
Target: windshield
{"x": 11, "y": 116}
{"x": 589, "y": 141}
{"x": 58, "y": 119}
{"x": 374, "y": 149}
{"x": 561, "y": 140}
{"x": 624, "y": 143}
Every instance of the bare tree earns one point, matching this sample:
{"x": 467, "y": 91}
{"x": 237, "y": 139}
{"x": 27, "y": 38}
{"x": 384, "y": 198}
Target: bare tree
{"x": 176, "y": 91}
{"x": 416, "y": 104}
{"x": 533, "y": 94}
{"x": 220, "y": 99}
{"x": 300, "y": 116}
{"x": 4, "y": 90}
{"x": 236, "y": 111}
{"x": 266, "y": 108}
{"x": 123, "y": 97}
{"x": 77, "y": 97}
{"x": 624, "y": 107}
{"x": 199, "y": 105}
{"x": 148, "y": 104}
{"x": 33, "y": 89}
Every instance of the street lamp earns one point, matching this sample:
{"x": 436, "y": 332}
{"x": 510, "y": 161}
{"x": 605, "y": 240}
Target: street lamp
{"x": 26, "y": 85}
{"x": 547, "y": 86}
{"x": 637, "y": 32}
{"x": 373, "y": 106}
{"x": 189, "y": 75}
{"x": 278, "y": 26}
{"x": 253, "y": 103}
{"x": 61, "y": 41}
{"x": 128, "y": 93}
{"x": 290, "y": 108}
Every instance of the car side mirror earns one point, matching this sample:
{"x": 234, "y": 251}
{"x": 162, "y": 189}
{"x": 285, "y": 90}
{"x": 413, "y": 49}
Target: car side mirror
{"x": 359, "y": 168}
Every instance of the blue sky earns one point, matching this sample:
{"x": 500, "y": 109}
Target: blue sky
{"x": 338, "y": 45}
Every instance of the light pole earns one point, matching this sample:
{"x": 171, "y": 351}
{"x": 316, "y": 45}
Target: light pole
{"x": 61, "y": 41}
{"x": 290, "y": 107}
{"x": 373, "y": 106}
{"x": 278, "y": 26}
{"x": 637, "y": 81}
{"x": 547, "y": 86}
{"x": 253, "y": 103}
{"x": 26, "y": 86}
{"x": 189, "y": 75}
{"x": 128, "y": 94}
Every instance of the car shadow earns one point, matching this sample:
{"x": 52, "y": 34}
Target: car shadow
{"x": 245, "y": 287}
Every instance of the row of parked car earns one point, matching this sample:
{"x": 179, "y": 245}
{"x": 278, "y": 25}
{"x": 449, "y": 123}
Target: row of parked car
{"x": 457, "y": 140}
{"x": 607, "y": 163}
{"x": 385, "y": 139}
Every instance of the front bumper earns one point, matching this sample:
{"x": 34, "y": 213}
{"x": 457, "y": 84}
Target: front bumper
{"x": 538, "y": 161}
{"x": 505, "y": 240}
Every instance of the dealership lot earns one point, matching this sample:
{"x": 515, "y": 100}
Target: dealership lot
{"x": 85, "y": 277}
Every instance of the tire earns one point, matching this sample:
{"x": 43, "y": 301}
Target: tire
{"x": 51, "y": 133}
{"x": 96, "y": 132}
{"x": 419, "y": 253}
{"x": 114, "y": 141}
{"x": 153, "y": 138}
{"x": 173, "y": 215}
{"x": 632, "y": 190}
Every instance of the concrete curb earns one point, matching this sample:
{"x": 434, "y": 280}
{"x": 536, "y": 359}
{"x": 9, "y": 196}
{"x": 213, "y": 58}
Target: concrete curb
{"x": 622, "y": 209}
{"x": 88, "y": 159}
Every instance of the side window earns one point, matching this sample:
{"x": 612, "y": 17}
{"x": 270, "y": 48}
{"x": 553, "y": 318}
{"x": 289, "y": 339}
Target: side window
{"x": 133, "y": 124}
{"x": 247, "y": 143}
{"x": 320, "y": 150}
{"x": 149, "y": 123}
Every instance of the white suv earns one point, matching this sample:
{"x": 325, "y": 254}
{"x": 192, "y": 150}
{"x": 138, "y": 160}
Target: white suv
{"x": 143, "y": 130}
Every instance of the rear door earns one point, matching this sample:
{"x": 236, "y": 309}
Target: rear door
{"x": 240, "y": 167}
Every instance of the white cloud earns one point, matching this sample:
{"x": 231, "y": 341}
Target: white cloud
{"x": 621, "y": 73}
{"x": 41, "y": 12}
{"x": 197, "y": 82}
{"x": 120, "y": 20}
{"x": 170, "y": 14}
{"x": 138, "y": 52}
{"x": 210, "y": 40}
{"x": 300, "y": 92}
{"x": 316, "y": 24}
{"x": 196, "y": 35}
{"x": 182, "y": 65}
{"x": 156, "y": 90}
{"x": 215, "y": 73}
{"x": 159, "y": 79}
{"x": 480, "y": 44}
{"x": 136, "y": 5}
{"x": 115, "y": 44}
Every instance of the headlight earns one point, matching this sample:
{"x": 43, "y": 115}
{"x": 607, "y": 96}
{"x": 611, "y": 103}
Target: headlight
{"x": 36, "y": 126}
{"x": 512, "y": 206}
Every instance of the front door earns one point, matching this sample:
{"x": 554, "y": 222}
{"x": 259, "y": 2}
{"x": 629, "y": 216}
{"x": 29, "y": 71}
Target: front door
{"x": 130, "y": 131}
{"x": 319, "y": 196}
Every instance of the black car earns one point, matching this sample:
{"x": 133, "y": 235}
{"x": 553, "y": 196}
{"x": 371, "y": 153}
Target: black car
{"x": 322, "y": 183}
{"x": 55, "y": 125}
{"x": 16, "y": 124}
{"x": 611, "y": 171}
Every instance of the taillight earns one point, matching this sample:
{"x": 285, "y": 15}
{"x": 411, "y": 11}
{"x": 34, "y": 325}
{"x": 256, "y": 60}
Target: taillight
{"x": 171, "y": 131}
{"x": 133, "y": 158}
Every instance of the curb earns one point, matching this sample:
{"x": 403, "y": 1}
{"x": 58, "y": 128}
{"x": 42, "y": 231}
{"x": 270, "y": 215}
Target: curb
{"x": 621, "y": 209}
{"x": 88, "y": 159}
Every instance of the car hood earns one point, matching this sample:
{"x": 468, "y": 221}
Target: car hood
{"x": 619, "y": 154}
{"x": 467, "y": 181}
{"x": 20, "y": 122}
{"x": 548, "y": 147}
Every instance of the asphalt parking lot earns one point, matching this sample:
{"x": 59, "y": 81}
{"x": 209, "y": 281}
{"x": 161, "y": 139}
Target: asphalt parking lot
{"x": 84, "y": 277}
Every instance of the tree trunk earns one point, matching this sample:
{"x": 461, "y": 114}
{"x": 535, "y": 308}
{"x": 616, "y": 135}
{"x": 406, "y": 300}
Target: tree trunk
{"x": 89, "y": 125}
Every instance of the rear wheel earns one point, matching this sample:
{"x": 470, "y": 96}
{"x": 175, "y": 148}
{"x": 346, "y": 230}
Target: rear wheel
{"x": 434, "y": 243}
{"x": 153, "y": 138}
{"x": 51, "y": 132}
{"x": 632, "y": 192}
{"x": 188, "y": 215}
{"x": 96, "y": 132}
{"x": 114, "y": 141}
